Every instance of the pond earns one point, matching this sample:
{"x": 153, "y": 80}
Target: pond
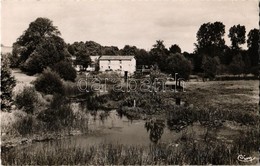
{"x": 115, "y": 129}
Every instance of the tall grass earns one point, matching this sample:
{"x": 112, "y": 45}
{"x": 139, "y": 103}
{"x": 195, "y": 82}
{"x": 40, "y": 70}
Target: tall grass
{"x": 189, "y": 151}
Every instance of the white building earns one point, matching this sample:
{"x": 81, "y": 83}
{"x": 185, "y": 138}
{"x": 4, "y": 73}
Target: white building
{"x": 122, "y": 64}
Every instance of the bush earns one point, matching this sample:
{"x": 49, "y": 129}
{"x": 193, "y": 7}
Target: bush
{"x": 210, "y": 66}
{"x": 25, "y": 125}
{"x": 49, "y": 82}
{"x": 7, "y": 84}
{"x": 109, "y": 78}
{"x": 65, "y": 70}
{"x": 27, "y": 100}
{"x": 177, "y": 63}
{"x": 59, "y": 114}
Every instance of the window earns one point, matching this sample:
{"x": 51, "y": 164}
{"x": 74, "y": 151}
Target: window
{"x": 109, "y": 62}
{"x": 120, "y": 67}
{"x": 109, "y": 67}
{"x": 120, "y": 61}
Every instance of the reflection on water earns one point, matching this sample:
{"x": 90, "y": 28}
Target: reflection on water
{"x": 107, "y": 127}
{"x": 156, "y": 128}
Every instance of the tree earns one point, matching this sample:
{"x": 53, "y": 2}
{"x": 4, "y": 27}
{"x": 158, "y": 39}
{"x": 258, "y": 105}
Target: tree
{"x": 175, "y": 49}
{"x": 129, "y": 50}
{"x": 93, "y": 48}
{"x": 210, "y": 42}
{"x": 83, "y": 59}
{"x": 237, "y": 65}
{"x": 159, "y": 54}
{"x": 177, "y": 63}
{"x": 51, "y": 50}
{"x": 210, "y": 66}
{"x": 237, "y": 36}
{"x": 40, "y": 46}
{"x": 38, "y": 30}
{"x": 210, "y": 38}
{"x": 252, "y": 44}
{"x": 110, "y": 50}
{"x": 27, "y": 100}
{"x": 143, "y": 58}
{"x": 65, "y": 70}
{"x": 49, "y": 82}
{"x": 7, "y": 84}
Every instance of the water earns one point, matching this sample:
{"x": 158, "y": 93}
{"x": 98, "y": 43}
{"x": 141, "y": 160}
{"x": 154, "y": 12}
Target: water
{"x": 119, "y": 130}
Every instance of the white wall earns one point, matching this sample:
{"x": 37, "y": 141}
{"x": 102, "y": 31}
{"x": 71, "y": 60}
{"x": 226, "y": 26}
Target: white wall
{"x": 126, "y": 65}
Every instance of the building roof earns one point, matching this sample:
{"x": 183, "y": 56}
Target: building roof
{"x": 116, "y": 57}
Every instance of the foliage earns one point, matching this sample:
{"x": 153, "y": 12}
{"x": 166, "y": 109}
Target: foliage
{"x": 237, "y": 35}
{"x": 129, "y": 50}
{"x": 65, "y": 70}
{"x": 27, "y": 100}
{"x": 159, "y": 54}
{"x": 210, "y": 42}
{"x": 177, "y": 63}
{"x": 83, "y": 59}
{"x": 13, "y": 58}
{"x": 237, "y": 65}
{"x": 32, "y": 37}
{"x": 175, "y": 49}
{"x": 108, "y": 78}
{"x": 49, "y": 82}
{"x": 252, "y": 44}
{"x": 186, "y": 151}
{"x": 50, "y": 51}
{"x": 143, "y": 58}
{"x": 156, "y": 127}
{"x": 210, "y": 34}
{"x": 210, "y": 66}
{"x": 8, "y": 82}
{"x": 25, "y": 125}
{"x": 40, "y": 46}
{"x": 58, "y": 115}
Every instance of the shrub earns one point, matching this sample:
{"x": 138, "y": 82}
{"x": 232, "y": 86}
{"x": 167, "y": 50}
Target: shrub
{"x": 7, "y": 84}
{"x": 27, "y": 100}
{"x": 109, "y": 77}
{"x": 59, "y": 114}
{"x": 49, "y": 82}
{"x": 177, "y": 63}
{"x": 25, "y": 125}
{"x": 65, "y": 70}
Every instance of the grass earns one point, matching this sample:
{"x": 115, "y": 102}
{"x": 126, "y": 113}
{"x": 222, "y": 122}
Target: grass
{"x": 22, "y": 80}
{"x": 185, "y": 151}
{"x": 227, "y": 95}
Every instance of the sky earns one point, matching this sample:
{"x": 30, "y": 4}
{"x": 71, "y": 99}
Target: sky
{"x": 127, "y": 22}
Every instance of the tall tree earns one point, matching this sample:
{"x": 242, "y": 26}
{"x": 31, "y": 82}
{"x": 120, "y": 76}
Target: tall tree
{"x": 51, "y": 50}
{"x": 177, "y": 63}
{"x": 38, "y": 30}
{"x": 7, "y": 84}
{"x": 83, "y": 59}
{"x": 129, "y": 50}
{"x": 40, "y": 46}
{"x": 210, "y": 42}
{"x": 159, "y": 54}
{"x": 237, "y": 35}
{"x": 252, "y": 44}
{"x": 143, "y": 58}
{"x": 210, "y": 38}
{"x": 175, "y": 49}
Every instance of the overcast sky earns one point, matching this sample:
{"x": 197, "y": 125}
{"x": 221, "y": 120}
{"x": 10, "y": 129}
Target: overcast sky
{"x": 133, "y": 22}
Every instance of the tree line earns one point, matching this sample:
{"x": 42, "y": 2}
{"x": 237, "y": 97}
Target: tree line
{"x": 41, "y": 46}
